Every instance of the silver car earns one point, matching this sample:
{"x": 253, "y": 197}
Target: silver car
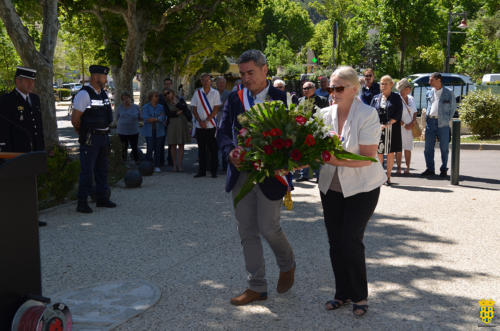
{"x": 460, "y": 85}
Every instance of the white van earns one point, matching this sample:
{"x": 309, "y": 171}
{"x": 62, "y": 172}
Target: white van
{"x": 489, "y": 78}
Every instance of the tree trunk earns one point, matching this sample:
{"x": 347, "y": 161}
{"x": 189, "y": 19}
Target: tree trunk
{"x": 146, "y": 83}
{"x": 403, "y": 55}
{"x": 41, "y": 60}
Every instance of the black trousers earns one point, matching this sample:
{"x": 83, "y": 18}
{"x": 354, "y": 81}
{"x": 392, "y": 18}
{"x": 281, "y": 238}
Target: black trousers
{"x": 131, "y": 139}
{"x": 207, "y": 150}
{"x": 346, "y": 220}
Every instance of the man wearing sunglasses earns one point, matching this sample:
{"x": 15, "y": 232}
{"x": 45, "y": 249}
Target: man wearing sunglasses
{"x": 309, "y": 91}
{"x": 371, "y": 88}
{"x": 310, "y": 96}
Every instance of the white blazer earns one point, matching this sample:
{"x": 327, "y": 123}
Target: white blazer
{"x": 362, "y": 127}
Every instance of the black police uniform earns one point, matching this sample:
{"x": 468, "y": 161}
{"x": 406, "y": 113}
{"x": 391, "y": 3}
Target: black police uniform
{"x": 21, "y": 127}
{"x": 94, "y": 147}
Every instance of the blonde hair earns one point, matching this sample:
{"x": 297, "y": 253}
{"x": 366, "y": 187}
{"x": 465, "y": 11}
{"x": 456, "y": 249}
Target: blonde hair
{"x": 348, "y": 74}
{"x": 387, "y": 78}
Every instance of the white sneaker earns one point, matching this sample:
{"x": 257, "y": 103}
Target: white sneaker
{"x": 157, "y": 169}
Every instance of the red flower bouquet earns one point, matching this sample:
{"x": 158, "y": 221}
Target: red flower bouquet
{"x": 276, "y": 138}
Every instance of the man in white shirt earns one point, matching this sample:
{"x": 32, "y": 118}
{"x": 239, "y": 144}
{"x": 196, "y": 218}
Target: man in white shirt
{"x": 205, "y": 106}
{"x": 441, "y": 105}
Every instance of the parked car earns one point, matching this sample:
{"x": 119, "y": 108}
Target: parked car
{"x": 490, "y": 78}
{"x": 460, "y": 85}
{"x": 73, "y": 87}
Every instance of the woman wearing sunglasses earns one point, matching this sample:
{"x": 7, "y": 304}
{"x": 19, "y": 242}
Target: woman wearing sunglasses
{"x": 350, "y": 189}
{"x": 390, "y": 108}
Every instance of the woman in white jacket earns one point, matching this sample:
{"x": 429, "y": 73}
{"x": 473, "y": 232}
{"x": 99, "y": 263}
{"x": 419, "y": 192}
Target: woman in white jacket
{"x": 350, "y": 189}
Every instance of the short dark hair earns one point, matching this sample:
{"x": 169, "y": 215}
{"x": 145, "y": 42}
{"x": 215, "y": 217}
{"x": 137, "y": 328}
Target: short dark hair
{"x": 437, "y": 75}
{"x": 168, "y": 78}
{"x": 253, "y": 55}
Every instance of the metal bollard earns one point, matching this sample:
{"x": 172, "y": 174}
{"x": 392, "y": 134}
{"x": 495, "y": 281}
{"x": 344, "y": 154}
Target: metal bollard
{"x": 455, "y": 152}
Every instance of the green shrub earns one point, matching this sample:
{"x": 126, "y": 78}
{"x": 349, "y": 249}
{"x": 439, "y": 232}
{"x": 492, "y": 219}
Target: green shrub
{"x": 480, "y": 110}
{"x": 56, "y": 184}
{"x": 62, "y": 93}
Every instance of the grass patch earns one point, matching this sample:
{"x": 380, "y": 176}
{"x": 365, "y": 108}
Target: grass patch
{"x": 476, "y": 140}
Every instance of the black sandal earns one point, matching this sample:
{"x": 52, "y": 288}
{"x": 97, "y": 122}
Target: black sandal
{"x": 363, "y": 308}
{"x": 336, "y": 304}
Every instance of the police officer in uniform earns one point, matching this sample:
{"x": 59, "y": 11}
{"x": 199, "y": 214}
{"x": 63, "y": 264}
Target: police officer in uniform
{"x": 91, "y": 118}
{"x": 21, "y": 128}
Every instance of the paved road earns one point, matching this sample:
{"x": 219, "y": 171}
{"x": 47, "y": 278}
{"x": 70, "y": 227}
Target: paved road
{"x": 432, "y": 253}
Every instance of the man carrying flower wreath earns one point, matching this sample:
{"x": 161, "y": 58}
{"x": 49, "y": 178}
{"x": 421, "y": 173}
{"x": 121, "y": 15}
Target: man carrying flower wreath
{"x": 258, "y": 213}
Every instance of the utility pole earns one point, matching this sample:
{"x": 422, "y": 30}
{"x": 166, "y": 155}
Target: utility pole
{"x": 335, "y": 28}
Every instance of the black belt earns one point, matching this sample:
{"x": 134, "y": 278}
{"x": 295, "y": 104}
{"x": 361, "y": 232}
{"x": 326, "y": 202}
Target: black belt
{"x": 433, "y": 117}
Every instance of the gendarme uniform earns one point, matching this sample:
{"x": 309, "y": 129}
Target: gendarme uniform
{"x": 21, "y": 128}
{"x": 94, "y": 142}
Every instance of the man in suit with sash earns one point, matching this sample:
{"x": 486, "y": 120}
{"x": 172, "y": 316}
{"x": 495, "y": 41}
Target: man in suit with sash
{"x": 205, "y": 105}
{"x": 258, "y": 213}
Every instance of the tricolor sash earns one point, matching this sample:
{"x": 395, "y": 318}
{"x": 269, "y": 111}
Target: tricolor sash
{"x": 248, "y": 102}
{"x": 206, "y": 105}
{"x": 246, "y": 98}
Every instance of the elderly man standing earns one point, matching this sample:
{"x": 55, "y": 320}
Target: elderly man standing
{"x": 310, "y": 96}
{"x": 205, "y": 105}
{"x": 258, "y": 213}
{"x": 323, "y": 88}
{"x": 91, "y": 118}
{"x": 290, "y": 98}
{"x": 441, "y": 105}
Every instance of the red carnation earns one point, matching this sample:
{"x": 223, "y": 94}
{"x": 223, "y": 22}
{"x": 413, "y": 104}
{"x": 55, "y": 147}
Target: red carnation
{"x": 257, "y": 165}
{"x": 295, "y": 155}
{"x": 288, "y": 143}
{"x": 326, "y": 156}
{"x": 242, "y": 155}
{"x": 310, "y": 140}
{"x": 278, "y": 143}
{"x": 268, "y": 149}
{"x": 301, "y": 120}
{"x": 243, "y": 132}
{"x": 276, "y": 132}
{"x": 266, "y": 133}
{"x": 247, "y": 141}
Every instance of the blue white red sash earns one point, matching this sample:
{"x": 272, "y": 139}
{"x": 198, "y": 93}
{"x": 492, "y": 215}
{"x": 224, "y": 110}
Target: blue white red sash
{"x": 206, "y": 105}
{"x": 247, "y": 101}
{"x": 239, "y": 87}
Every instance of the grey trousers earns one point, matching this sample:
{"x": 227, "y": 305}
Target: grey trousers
{"x": 258, "y": 216}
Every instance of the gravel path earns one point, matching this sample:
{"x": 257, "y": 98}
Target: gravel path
{"x": 432, "y": 253}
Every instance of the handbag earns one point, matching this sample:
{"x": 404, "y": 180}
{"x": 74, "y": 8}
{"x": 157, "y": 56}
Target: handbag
{"x": 415, "y": 129}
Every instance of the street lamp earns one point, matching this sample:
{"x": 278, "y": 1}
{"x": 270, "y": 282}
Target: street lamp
{"x": 463, "y": 25}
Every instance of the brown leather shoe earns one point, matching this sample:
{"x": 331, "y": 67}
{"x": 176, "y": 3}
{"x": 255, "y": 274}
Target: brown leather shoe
{"x": 285, "y": 281}
{"x": 247, "y": 297}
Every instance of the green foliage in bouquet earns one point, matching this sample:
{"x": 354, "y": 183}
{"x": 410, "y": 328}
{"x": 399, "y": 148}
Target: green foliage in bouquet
{"x": 275, "y": 140}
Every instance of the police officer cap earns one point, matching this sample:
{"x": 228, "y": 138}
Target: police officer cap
{"x": 97, "y": 69}
{"x": 25, "y": 73}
